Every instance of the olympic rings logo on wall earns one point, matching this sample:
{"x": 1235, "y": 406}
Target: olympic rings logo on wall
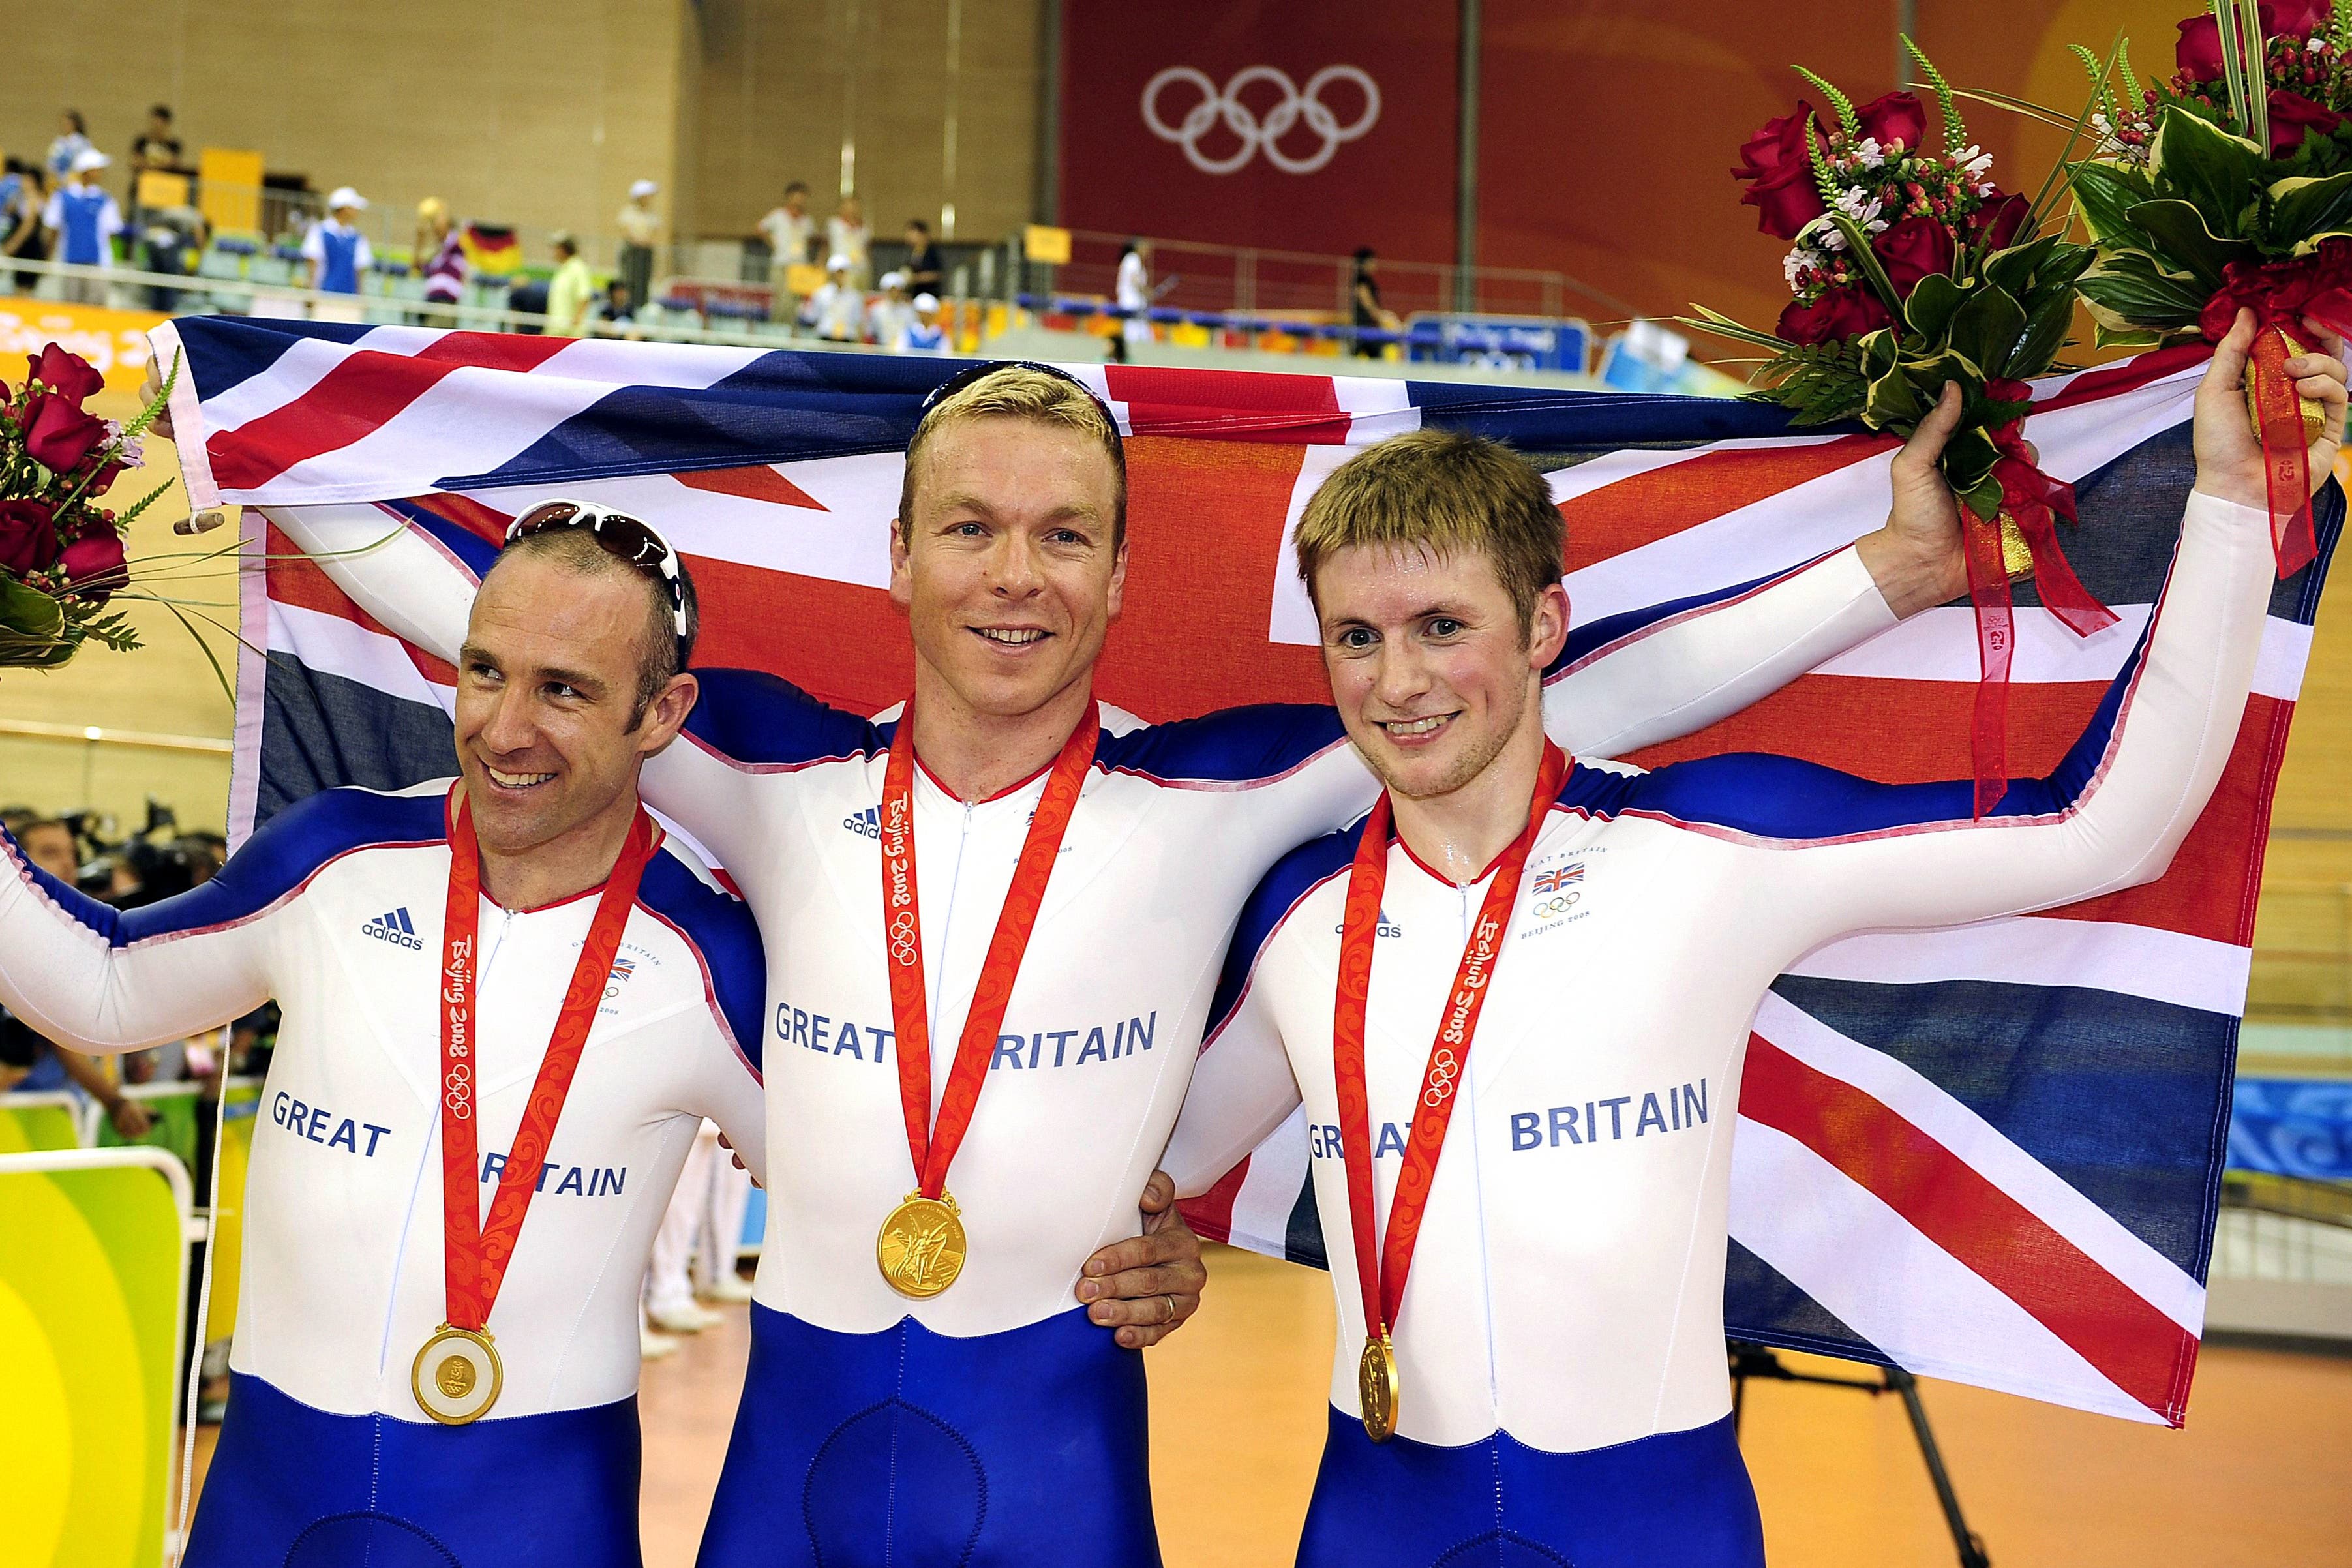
{"x": 1254, "y": 132}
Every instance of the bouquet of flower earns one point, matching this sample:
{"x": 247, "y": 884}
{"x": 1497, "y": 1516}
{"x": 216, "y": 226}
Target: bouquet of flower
{"x": 1910, "y": 268}
{"x": 2227, "y": 188}
{"x": 61, "y": 556}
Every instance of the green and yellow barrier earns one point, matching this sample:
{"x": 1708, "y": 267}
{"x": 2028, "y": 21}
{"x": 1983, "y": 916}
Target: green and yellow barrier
{"x": 48, "y": 1119}
{"x": 93, "y": 1271}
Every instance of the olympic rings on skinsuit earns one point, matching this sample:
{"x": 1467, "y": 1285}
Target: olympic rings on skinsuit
{"x": 1255, "y": 133}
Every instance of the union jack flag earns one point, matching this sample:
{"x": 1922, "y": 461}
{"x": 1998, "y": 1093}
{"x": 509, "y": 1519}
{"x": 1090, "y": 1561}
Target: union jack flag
{"x": 1990, "y": 1153}
{"x": 1567, "y": 876}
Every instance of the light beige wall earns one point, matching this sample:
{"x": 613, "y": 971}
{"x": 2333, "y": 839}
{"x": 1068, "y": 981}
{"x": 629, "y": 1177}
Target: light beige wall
{"x": 529, "y": 113}
{"x": 784, "y": 82}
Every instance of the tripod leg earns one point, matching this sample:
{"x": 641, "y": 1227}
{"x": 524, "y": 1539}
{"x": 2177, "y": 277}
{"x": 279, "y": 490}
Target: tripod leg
{"x": 1971, "y": 1550}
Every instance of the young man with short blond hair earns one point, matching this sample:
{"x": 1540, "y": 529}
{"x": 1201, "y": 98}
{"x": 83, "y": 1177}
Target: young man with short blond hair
{"x": 1566, "y": 953}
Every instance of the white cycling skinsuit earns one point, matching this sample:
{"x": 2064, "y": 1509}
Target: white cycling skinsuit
{"x": 1562, "y": 1389}
{"x": 335, "y": 908}
{"x": 993, "y": 1424}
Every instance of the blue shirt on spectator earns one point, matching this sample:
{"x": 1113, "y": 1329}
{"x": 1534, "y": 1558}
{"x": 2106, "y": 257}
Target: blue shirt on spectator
{"x": 87, "y": 218}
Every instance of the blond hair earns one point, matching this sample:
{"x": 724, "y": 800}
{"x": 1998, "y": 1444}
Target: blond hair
{"x": 1448, "y": 494}
{"x": 1018, "y": 392}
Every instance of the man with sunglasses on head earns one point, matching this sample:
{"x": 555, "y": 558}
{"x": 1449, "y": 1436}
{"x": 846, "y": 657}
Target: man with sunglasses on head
{"x": 508, "y": 1003}
{"x": 920, "y": 1389}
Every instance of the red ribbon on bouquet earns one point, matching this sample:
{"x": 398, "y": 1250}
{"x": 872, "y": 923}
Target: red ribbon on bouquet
{"x": 2281, "y": 294}
{"x": 2034, "y": 501}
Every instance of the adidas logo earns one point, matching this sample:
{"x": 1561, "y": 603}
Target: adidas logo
{"x": 395, "y": 929}
{"x": 1383, "y": 927}
{"x": 868, "y": 822}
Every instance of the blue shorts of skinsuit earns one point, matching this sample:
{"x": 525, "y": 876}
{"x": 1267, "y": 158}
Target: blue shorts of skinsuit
{"x": 910, "y": 1449}
{"x": 1678, "y": 1499}
{"x": 292, "y": 1486}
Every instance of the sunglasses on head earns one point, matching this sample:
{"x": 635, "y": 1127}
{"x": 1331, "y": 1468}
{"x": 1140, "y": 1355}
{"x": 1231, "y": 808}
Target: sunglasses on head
{"x": 630, "y": 538}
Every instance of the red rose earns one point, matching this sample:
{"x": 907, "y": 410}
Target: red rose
{"x": 57, "y": 434}
{"x": 2293, "y": 116}
{"x": 67, "y": 372}
{"x": 1911, "y": 249}
{"x": 1837, "y": 315}
{"x": 1896, "y": 117}
{"x": 1779, "y": 174}
{"x": 1998, "y": 221}
{"x": 2294, "y": 18}
{"x": 28, "y": 541}
{"x": 93, "y": 564}
{"x": 2198, "y": 53}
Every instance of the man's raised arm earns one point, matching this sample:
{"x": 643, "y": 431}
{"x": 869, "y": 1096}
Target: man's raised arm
{"x": 1686, "y": 671}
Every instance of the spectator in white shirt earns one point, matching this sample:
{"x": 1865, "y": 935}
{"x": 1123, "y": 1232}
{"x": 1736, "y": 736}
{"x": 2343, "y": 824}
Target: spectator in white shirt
{"x": 834, "y": 312}
{"x": 788, "y": 230}
{"x": 73, "y": 140}
{"x": 640, "y": 227}
{"x": 888, "y": 315}
{"x": 1133, "y": 293}
{"x": 847, "y": 236}
{"x": 83, "y": 216}
{"x": 923, "y": 335}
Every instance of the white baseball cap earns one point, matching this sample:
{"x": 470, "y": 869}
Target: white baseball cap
{"x": 927, "y": 302}
{"x": 836, "y": 262}
{"x": 89, "y": 158}
{"x": 894, "y": 280}
{"x": 344, "y": 196}
{"x": 643, "y": 188}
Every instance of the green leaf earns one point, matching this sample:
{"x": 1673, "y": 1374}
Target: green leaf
{"x": 1988, "y": 328}
{"x": 27, "y": 613}
{"x": 2015, "y": 268}
{"x": 2301, "y": 208}
{"x": 2198, "y": 161}
{"x": 1935, "y": 299}
{"x": 1877, "y": 352}
{"x": 2185, "y": 241}
{"x": 1893, "y": 402}
{"x": 2047, "y": 318}
{"x": 2134, "y": 295}
{"x": 1969, "y": 457}
{"x": 2103, "y": 193}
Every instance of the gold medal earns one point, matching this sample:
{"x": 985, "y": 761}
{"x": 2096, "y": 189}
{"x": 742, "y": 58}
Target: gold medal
{"x": 1376, "y": 1387}
{"x": 457, "y": 1375}
{"x": 921, "y": 1246}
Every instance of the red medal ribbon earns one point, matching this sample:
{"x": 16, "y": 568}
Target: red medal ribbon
{"x": 1383, "y": 1279}
{"x": 2034, "y": 501}
{"x": 475, "y": 1252}
{"x": 2281, "y": 294}
{"x": 933, "y": 1148}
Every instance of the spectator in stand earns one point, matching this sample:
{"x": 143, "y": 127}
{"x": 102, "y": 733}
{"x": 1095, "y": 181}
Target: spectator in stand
{"x": 171, "y": 239}
{"x": 335, "y": 250}
{"x": 788, "y": 230}
{"x": 24, "y": 194}
{"x": 923, "y": 335}
{"x": 1132, "y": 291}
{"x": 154, "y": 149}
{"x": 833, "y": 311}
{"x": 440, "y": 258}
{"x": 73, "y": 140}
{"x": 1368, "y": 312}
{"x": 889, "y": 314}
{"x": 922, "y": 269}
{"x": 640, "y": 228}
{"x": 616, "y": 313}
{"x": 847, "y": 236}
{"x": 83, "y": 216}
{"x": 570, "y": 293}
{"x": 32, "y": 1065}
